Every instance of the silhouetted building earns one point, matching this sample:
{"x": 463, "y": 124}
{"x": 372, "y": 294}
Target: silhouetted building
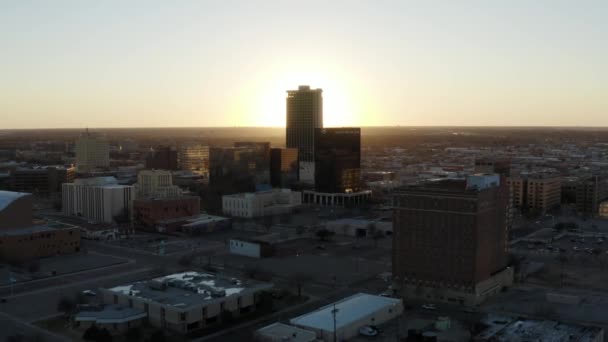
{"x": 590, "y": 192}
{"x": 231, "y": 170}
{"x": 304, "y": 114}
{"x": 259, "y": 160}
{"x": 338, "y": 160}
{"x": 162, "y": 158}
{"x": 41, "y": 180}
{"x": 450, "y": 240}
{"x": 92, "y": 152}
{"x": 194, "y": 158}
{"x": 283, "y": 167}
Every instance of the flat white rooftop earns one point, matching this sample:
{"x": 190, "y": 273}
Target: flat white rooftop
{"x": 288, "y": 333}
{"x": 350, "y": 309}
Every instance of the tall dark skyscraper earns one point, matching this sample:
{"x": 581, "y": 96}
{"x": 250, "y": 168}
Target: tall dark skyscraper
{"x": 162, "y": 158}
{"x": 304, "y": 114}
{"x": 338, "y": 159}
{"x": 450, "y": 240}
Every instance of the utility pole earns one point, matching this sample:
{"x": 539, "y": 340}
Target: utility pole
{"x": 334, "y": 312}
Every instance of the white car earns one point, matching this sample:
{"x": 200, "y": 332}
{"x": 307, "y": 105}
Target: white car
{"x": 429, "y": 307}
{"x": 368, "y": 331}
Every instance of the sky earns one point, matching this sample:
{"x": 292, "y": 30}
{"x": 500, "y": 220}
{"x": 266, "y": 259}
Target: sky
{"x": 136, "y": 63}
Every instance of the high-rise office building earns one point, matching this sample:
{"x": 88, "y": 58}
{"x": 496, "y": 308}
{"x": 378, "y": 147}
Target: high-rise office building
{"x": 304, "y": 114}
{"x": 283, "y": 167}
{"x": 450, "y": 240}
{"x": 259, "y": 161}
{"x": 92, "y": 152}
{"x": 194, "y": 158}
{"x": 338, "y": 160}
{"x": 162, "y": 158}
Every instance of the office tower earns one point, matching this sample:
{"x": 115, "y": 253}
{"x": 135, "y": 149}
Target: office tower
{"x": 99, "y": 199}
{"x": 259, "y": 162}
{"x": 304, "y": 114}
{"x": 156, "y": 184}
{"x": 283, "y": 167}
{"x": 591, "y": 191}
{"x": 536, "y": 192}
{"x": 194, "y": 158}
{"x": 92, "y": 152}
{"x": 338, "y": 160}
{"x": 450, "y": 240}
{"x": 42, "y": 180}
{"x": 162, "y": 158}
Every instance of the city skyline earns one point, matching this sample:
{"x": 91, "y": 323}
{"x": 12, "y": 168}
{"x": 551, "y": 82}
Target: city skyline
{"x": 75, "y": 64}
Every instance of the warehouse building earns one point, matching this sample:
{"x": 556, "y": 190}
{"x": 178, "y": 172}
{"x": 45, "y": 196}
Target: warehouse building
{"x": 279, "y": 332}
{"x": 348, "y": 315}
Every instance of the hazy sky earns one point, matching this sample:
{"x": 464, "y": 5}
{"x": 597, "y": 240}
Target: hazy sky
{"x": 148, "y": 63}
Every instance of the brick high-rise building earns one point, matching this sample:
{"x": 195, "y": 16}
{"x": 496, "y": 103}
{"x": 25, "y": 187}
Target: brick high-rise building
{"x": 450, "y": 240}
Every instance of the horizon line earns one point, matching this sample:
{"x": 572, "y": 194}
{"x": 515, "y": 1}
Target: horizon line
{"x": 283, "y": 127}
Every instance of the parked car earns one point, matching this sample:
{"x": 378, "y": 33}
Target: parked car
{"x": 368, "y": 331}
{"x": 429, "y": 307}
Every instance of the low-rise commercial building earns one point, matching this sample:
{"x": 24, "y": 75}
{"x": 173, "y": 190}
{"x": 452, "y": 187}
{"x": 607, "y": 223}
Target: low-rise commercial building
{"x": 114, "y": 318}
{"x": 23, "y": 239}
{"x": 348, "y": 315}
{"x": 39, "y": 241}
{"x": 279, "y": 332}
{"x": 508, "y": 329}
{"x": 258, "y": 204}
{"x": 359, "y": 227}
{"x": 149, "y": 214}
{"x": 188, "y": 301}
{"x": 195, "y": 225}
{"x": 338, "y": 199}
{"x": 250, "y": 248}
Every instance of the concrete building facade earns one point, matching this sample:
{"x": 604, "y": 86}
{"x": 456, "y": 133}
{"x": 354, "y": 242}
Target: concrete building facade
{"x": 156, "y": 184}
{"x": 264, "y": 203}
{"x": 92, "y": 152}
{"x": 98, "y": 199}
